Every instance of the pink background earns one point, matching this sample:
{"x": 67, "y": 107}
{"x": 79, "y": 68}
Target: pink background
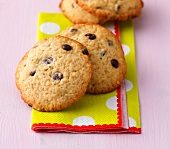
{"x": 18, "y": 30}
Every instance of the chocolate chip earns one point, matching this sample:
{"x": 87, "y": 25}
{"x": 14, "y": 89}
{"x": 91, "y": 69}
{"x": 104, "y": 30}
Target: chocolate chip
{"x": 110, "y": 43}
{"x": 29, "y": 105}
{"x": 102, "y": 53}
{"x": 117, "y": 7}
{"x": 73, "y": 30}
{"x": 115, "y": 63}
{"x": 85, "y": 52}
{"x": 66, "y": 47}
{"x": 57, "y": 76}
{"x": 98, "y": 7}
{"x": 48, "y": 60}
{"x": 91, "y": 36}
{"x": 32, "y": 73}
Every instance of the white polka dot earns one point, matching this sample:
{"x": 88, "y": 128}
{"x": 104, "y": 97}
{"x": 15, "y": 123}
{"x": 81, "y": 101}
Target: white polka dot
{"x": 132, "y": 122}
{"x": 83, "y": 120}
{"x": 129, "y": 85}
{"x": 110, "y": 25}
{"x": 111, "y": 103}
{"x": 49, "y": 28}
{"x": 126, "y": 49}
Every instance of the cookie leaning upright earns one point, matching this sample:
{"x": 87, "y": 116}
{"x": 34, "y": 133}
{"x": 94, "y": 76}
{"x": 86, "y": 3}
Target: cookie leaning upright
{"x": 106, "y": 56}
{"x": 77, "y": 15}
{"x": 113, "y": 9}
{"x": 53, "y": 74}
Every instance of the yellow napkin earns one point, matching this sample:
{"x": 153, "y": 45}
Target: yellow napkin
{"x": 104, "y": 113}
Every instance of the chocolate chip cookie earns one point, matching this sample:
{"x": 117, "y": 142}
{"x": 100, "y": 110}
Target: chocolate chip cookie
{"x": 114, "y": 9}
{"x": 77, "y": 15}
{"x": 54, "y": 74}
{"x": 106, "y": 56}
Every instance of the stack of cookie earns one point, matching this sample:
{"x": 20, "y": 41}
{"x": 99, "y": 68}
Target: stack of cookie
{"x": 100, "y": 11}
{"x": 58, "y": 71}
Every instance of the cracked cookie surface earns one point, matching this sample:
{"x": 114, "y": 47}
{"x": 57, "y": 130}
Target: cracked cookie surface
{"x": 53, "y": 74}
{"x": 106, "y": 56}
{"x": 113, "y": 9}
{"x": 77, "y": 15}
